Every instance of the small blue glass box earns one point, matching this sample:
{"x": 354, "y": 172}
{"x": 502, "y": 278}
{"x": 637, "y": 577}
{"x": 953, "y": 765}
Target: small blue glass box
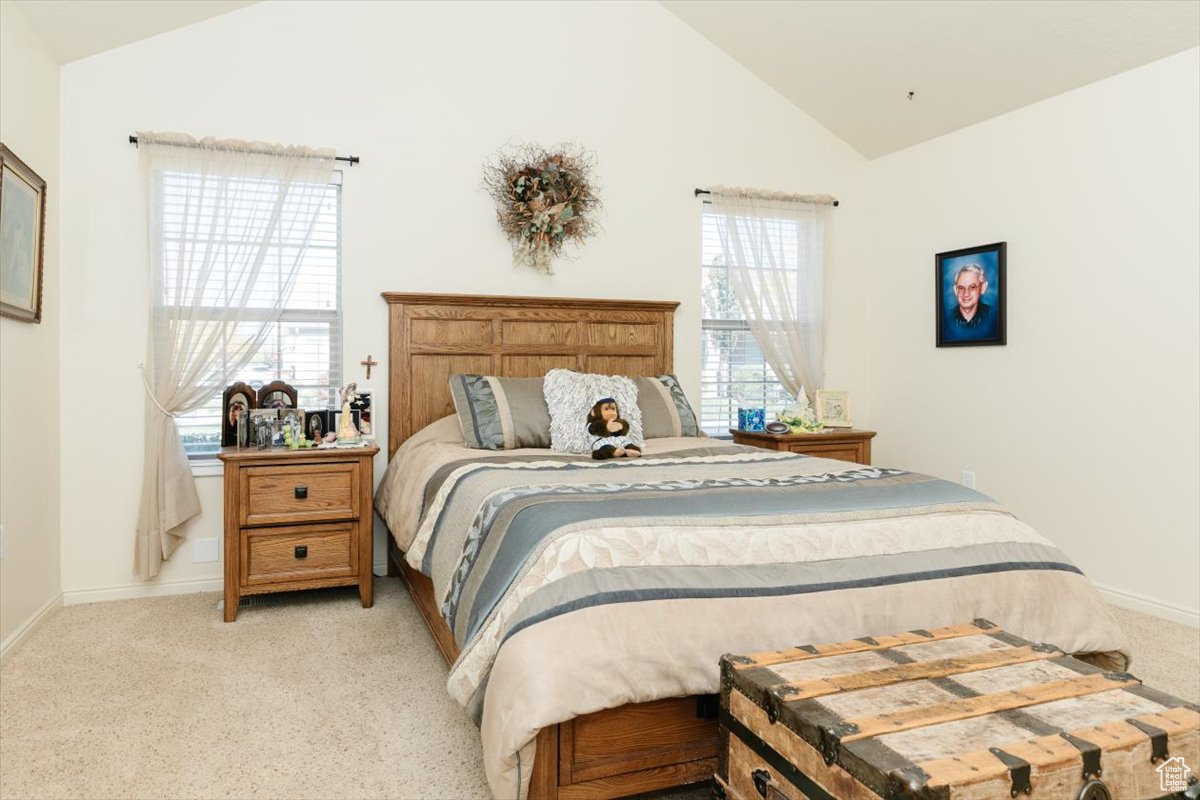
{"x": 752, "y": 419}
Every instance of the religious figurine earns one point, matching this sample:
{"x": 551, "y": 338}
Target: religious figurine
{"x": 346, "y": 431}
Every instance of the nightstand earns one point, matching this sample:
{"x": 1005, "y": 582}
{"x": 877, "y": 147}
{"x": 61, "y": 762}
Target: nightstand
{"x": 297, "y": 519}
{"x": 844, "y": 444}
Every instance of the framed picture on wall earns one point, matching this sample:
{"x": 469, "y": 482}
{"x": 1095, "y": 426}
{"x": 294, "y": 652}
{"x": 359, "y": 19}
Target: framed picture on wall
{"x": 970, "y": 298}
{"x": 22, "y": 235}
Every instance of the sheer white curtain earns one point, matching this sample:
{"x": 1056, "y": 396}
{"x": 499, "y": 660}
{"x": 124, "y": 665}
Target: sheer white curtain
{"x": 214, "y": 208}
{"x": 776, "y": 247}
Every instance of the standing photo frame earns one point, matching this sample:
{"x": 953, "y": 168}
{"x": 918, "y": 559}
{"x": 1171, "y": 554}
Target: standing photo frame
{"x": 237, "y": 401}
{"x": 970, "y": 296}
{"x": 264, "y": 426}
{"x": 833, "y": 408}
{"x": 362, "y": 404}
{"x": 277, "y": 394}
{"x": 317, "y": 424}
{"x": 22, "y": 238}
{"x": 293, "y": 418}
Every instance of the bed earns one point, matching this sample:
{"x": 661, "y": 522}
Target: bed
{"x": 584, "y": 641}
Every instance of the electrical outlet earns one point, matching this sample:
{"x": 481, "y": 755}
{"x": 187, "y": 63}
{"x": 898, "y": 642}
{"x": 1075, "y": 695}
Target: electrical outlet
{"x": 968, "y": 479}
{"x": 205, "y": 550}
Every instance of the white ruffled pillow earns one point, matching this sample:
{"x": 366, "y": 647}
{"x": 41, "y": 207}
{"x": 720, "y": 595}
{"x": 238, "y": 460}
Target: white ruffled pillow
{"x": 571, "y": 395}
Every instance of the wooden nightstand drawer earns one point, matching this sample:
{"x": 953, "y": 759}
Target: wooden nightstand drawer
{"x": 840, "y": 452}
{"x": 845, "y": 444}
{"x": 300, "y": 493}
{"x": 298, "y": 553}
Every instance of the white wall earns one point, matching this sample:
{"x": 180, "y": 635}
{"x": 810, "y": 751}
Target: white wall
{"x": 424, "y": 93}
{"x": 1086, "y": 423}
{"x": 29, "y": 363}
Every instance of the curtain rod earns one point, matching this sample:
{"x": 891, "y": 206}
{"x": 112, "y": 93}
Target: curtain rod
{"x": 706, "y": 191}
{"x": 347, "y": 159}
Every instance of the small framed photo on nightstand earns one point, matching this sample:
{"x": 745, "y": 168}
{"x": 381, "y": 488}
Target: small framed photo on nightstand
{"x": 833, "y": 408}
{"x": 263, "y": 422}
{"x": 318, "y": 423}
{"x": 237, "y": 402}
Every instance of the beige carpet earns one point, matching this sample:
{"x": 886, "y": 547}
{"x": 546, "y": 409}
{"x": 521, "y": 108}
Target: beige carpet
{"x": 309, "y": 696}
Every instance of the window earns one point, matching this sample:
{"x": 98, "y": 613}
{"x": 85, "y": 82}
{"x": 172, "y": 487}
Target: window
{"x": 304, "y": 347}
{"x": 733, "y": 371}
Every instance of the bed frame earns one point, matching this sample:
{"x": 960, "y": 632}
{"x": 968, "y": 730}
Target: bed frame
{"x": 620, "y": 751}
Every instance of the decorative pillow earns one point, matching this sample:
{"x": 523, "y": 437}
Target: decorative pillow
{"x": 665, "y": 409}
{"x": 569, "y": 397}
{"x": 500, "y": 413}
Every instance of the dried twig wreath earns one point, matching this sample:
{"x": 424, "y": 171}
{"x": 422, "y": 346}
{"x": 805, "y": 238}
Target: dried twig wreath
{"x": 543, "y": 199}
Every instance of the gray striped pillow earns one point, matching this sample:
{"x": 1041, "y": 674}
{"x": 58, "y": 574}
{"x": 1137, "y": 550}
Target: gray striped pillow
{"x": 665, "y": 409}
{"x": 500, "y": 413}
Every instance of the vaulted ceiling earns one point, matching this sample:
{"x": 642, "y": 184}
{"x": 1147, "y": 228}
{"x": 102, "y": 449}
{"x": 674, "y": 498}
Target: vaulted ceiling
{"x": 850, "y": 64}
{"x": 75, "y": 29}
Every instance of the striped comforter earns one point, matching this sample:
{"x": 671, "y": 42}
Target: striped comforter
{"x": 573, "y": 586}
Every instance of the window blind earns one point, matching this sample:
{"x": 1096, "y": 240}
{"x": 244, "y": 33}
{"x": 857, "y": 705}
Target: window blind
{"x": 733, "y": 370}
{"x": 304, "y": 347}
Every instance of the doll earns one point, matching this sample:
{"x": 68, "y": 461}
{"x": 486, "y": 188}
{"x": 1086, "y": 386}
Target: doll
{"x": 347, "y": 432}
{"x": 610, "y": 431}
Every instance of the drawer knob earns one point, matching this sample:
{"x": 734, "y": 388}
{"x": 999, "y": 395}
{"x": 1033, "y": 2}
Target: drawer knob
{"x": 301, "y": 551}
{"x": 301, "y": 492}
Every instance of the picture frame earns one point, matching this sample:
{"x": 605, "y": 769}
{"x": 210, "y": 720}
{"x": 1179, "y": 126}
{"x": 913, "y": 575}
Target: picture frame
{"x": 292, "y": 414}
{"x": 970, "y": 306}
{"x": 318, "y": 423}
{"x": 294, "y": 418}
{"x": 362, "y": 404}
{"x": 833, "y": 408}
{"x": 238, "y": 399}
{"x": 22, "y": 238}
{"x": 277, "y": 394}
{"x": 263, "y": 423}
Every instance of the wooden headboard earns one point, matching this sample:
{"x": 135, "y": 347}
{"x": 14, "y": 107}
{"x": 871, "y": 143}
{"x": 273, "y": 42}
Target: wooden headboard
{"x": 432, "y": 336}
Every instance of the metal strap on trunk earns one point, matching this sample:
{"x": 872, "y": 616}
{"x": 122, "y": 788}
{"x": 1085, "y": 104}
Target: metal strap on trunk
{"x": 1089, "y": 752}
{"x": 781, "y": 765}
{"x": 1018, "y": 769}
{"x": 1158, "y": 739}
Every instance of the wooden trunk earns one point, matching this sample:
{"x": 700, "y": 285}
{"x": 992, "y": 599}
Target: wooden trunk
{"x": 968, "y": 712}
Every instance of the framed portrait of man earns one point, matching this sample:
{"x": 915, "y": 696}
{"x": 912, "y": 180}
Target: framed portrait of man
{"x": 970, "y": 297}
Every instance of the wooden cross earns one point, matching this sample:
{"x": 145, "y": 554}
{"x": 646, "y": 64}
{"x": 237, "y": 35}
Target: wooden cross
{"x": 368, "y": 364}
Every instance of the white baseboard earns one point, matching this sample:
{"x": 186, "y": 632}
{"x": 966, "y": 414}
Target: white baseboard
{"x": 131, "y": 591}
{"x": 74, "y": 597}
{"x": 1147, "y": 605}
{"x": 23, "y": 631}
